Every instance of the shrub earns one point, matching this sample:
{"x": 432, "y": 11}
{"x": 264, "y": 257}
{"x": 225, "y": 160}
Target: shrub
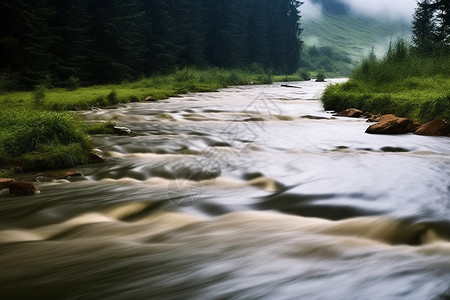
{"x": 112, "y": 97}
{"x": 320, "y": 77}
{"x": 73, "y": 83}
{"x": 39, "y": 96}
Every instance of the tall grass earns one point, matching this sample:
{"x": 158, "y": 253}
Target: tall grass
{"x": 36, "y": 139}
{"x": 401, "y": 82}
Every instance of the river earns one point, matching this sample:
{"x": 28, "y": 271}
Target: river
{"x": 251, "y": 192}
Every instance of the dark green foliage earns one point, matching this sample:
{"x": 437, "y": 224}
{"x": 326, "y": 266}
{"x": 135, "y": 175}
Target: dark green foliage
{"x": 320, "y": 77}
{"x": 112, "y": 97}
{"x": 431, "y": 27}
{"x": 109, "y": 41}
{"x": 72, "y": 83}
{"x": 326, "y": 58}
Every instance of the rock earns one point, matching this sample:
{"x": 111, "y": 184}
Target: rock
{"x": 43, "y": 178}
{"x": 437, "y": 127}
{"x": 122, "y": 130}
{"x": 22, "y": 189}
{"x": 4, "y": 182}
{"x": 373, "y": 119}
{"x": 150, "y": 99}
{"x": 351, "y": 113}
{"x": 67, "y": 174}
{"x": 391, "y": 124}
{"x": 95, "y": 158}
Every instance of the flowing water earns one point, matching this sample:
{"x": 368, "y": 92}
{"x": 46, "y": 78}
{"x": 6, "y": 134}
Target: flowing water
{"x": 251, "y": 192}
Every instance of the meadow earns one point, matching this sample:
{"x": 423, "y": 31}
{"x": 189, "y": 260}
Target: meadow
{"x": 402, "y": 82}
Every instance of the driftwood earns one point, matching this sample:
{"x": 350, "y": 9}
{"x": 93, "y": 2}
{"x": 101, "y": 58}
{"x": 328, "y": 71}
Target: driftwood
{"x": 291, "y": 86}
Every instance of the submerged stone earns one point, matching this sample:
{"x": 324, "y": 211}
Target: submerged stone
{"x": 122, "y": 130}
{"x": 22, "y": 189}
{"x": 95, "y": 158}
{"x": 4, "y": 182}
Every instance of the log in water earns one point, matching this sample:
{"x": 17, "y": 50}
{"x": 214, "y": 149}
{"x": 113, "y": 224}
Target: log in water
{"x": 248, "y": 193}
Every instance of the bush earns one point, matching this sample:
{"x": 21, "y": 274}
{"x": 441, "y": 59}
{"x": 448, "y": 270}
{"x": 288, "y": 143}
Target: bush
{"x": 73, "y": 83}
{"x": 39, "y": 96}
{"x": 320, "y": 77}
{"x": 112, "y": 97}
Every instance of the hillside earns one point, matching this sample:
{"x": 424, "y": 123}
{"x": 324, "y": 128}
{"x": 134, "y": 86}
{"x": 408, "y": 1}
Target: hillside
{"x": 347, "y": 33}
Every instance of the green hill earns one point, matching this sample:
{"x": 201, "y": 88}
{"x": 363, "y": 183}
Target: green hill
{"x": 349, "y": 35}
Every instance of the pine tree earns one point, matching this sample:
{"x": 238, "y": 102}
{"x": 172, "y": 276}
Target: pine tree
{"x": 70, "y": 46}
{"x": 25, "y": 41}
{"x": 424, "y": 35}
{"x": 431, "y": 26}
{"x": 442, "y": 14}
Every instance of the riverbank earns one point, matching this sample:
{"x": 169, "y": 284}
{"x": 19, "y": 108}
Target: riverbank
{"x": 38, "y": 131}
{"x": 418, "y": 98}
{"x": 403, "y": 83}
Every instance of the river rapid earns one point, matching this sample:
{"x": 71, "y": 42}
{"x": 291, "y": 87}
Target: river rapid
{"x": 251, "y": 192}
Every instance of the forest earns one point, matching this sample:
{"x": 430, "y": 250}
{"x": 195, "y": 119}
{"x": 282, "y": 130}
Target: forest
{"x": 64, "y": 43}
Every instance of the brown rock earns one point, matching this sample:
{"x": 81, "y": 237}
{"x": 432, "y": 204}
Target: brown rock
{"x": 374, "y": 119}
{"x": 4, "y": 182}
{"x": 22, "y": 189}
{"x": 434, "y": 128}
{"x": 95, "y": 158}
{"x": 391, "y": 124}
{"x": 351, "y": 113}
{"x": 72, "y": 173}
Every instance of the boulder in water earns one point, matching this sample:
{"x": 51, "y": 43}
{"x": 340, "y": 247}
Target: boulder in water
{"x": 4, "y": 182}
{"x": 436, "y": 127}
{"x": 391, "y": 124}
{"x": 351, "y": 113}
{"x": 122, "y": 130}
{"x": 373, "y": 119}
{"x": 22, "y": 189}
{"x": 95, "y": 158}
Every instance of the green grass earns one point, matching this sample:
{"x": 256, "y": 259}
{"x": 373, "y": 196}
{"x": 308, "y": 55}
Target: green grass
{"x": 159, "y": 87}
{"x": 401, "y": 83}
{"x": 37, "y": 131}
{"x": 36, "y": 139}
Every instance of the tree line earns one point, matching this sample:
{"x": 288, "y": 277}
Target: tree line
{"x": 67, "y": 42}
{"x": 431, "y": 27}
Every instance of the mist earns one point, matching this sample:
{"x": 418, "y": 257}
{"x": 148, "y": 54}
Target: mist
{"x": 310, "y": 10}
{"x": 388, "y": 10}
{"x": 399, "y": 10}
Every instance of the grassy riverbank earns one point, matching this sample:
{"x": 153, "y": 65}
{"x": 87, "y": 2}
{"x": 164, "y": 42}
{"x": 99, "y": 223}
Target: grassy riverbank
{"x": 38, "y": 132}
{"x": 401, "y": 83}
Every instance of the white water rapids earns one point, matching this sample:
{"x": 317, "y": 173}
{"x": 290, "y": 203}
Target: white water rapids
{"x": 251, "y": 192}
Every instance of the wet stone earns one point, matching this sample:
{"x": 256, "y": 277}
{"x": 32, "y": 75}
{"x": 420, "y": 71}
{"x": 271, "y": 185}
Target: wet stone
{"x": 22, "y": 189}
